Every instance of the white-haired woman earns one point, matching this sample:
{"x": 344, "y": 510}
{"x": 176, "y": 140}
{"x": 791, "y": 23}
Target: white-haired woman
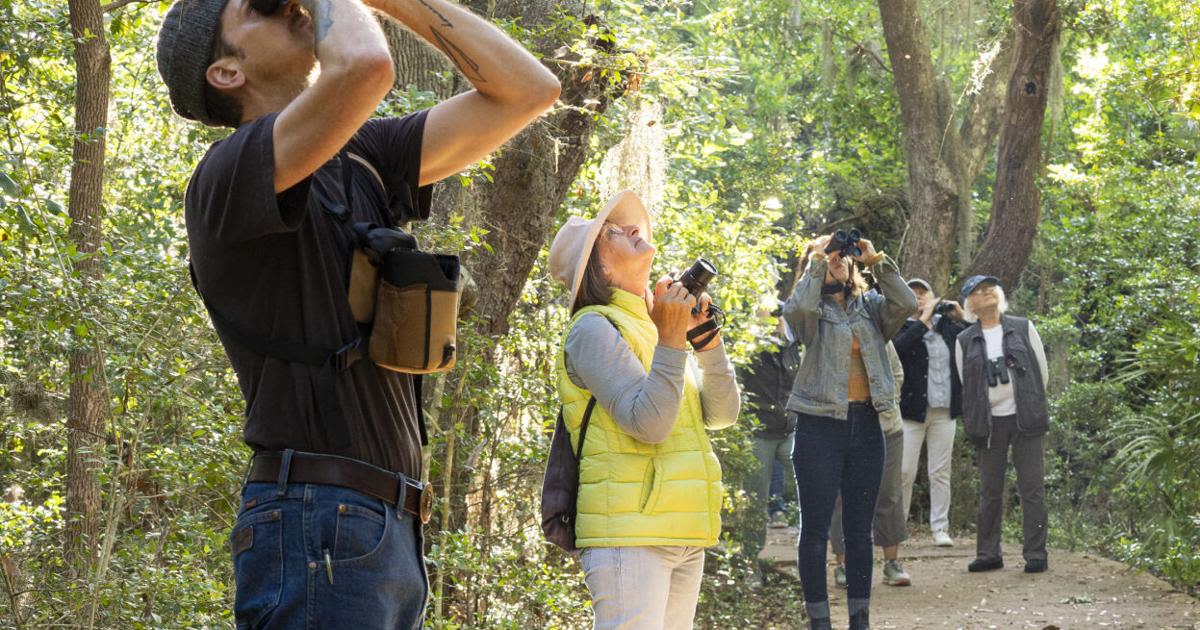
{"x": 649, "y": 483}
{"x": 1002, "y": 365}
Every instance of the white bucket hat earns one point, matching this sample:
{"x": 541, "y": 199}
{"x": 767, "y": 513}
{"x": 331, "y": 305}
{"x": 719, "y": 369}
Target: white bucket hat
{"x": 573, "y": 244}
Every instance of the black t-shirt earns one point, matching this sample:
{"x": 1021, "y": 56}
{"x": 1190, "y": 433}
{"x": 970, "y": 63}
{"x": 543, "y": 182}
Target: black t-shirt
{"x": 278, "y": 266}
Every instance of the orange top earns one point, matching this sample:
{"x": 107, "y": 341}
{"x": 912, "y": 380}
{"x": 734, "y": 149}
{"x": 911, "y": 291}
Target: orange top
{"x": 860, "y": 383}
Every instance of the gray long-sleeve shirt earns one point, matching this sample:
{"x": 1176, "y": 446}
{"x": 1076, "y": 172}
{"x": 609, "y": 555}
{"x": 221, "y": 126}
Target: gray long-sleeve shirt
{"x": 645, "y": 404}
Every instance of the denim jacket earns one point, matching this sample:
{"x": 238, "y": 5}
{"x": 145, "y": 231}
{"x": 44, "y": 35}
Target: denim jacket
{"x": 827, "y": 330}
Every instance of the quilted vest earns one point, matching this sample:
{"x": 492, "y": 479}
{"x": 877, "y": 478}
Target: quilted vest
{"x": 632, "y": 493}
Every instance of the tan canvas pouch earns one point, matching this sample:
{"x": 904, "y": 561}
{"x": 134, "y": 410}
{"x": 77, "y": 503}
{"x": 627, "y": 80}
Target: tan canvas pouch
{"x": 416, "y": 312}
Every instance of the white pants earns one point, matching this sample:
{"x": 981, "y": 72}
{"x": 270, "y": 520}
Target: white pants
{"x": 938, "y": 432}
{"x": 636, "y": 588}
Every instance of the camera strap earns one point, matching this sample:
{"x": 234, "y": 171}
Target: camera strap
{"x": 701, "y": 335}
{"x": 833, "y": 288}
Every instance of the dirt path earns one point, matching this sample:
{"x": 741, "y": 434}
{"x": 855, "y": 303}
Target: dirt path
{"x": 1080, "y": 591}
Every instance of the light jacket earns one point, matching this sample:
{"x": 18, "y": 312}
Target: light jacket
{"x": 634, "y": 493}
{"x": 827, "y": 331}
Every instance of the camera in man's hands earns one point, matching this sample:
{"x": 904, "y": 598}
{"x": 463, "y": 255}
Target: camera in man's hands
{"x": 997, "y": 372}
{"x": 845, "y": 243}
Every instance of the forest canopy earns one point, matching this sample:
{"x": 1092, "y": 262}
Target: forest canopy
{"x": 748, "y": 127}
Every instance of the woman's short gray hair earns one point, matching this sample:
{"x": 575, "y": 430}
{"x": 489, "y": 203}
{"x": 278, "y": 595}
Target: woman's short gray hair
{"x": 1001, "y": 303}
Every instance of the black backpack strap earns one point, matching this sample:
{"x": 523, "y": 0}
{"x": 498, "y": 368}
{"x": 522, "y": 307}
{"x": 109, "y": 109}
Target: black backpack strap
{"x": 330, "y": 360}
{"x": 587, "y": 415}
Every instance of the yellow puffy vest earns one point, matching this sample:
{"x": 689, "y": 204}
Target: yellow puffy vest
{"x": 632, "y": 493}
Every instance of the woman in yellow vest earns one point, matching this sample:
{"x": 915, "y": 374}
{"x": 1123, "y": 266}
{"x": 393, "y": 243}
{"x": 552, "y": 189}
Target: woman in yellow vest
{"x": 649, "y": 483}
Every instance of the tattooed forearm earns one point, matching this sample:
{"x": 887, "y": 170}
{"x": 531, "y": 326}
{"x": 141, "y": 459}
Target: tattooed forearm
{"x": 441, "y": 17}
{"x": 465, "y": 64}
{"x": 322, "y": 16}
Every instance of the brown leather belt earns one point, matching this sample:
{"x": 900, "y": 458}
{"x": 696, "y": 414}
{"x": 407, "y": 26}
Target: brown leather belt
{"x": 349, "y": 473}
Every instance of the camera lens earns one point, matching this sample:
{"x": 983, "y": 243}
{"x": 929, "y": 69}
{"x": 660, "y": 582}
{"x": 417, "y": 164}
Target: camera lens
{"x": 697, "y": 277}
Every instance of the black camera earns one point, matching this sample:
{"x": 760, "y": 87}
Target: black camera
{"x": 997, "y": 372}
{"x": 697, "y": 277}
{"x": 267, "y": 7}
{"x": 846, "y": 243}
{"x": 696, "y": 280}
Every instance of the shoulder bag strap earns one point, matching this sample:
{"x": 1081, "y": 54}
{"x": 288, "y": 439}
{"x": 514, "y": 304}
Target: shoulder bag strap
{"x": 587, "y": 415}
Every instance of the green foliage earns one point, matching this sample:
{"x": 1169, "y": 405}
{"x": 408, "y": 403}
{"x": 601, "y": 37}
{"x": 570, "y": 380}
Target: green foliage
{"x": 1116, "y": 274}
{"x": 780, "y": 118}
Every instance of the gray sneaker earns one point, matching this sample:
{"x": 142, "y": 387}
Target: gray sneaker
{"x": 895, "y": 575}
{"x": 839, "y": 576}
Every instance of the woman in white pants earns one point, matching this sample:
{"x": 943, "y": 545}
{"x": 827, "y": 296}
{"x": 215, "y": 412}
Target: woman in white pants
{"x": 930, "y": 400}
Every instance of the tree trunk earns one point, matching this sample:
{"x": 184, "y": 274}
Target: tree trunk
{"x": 88, "y": 407}
{"x": 933, "y": 181}
{"x": 943, "y": 159}
{"x": 530, "y": 179}
{"x": 981, "y": 126}
{"x": 1016, "y": 200}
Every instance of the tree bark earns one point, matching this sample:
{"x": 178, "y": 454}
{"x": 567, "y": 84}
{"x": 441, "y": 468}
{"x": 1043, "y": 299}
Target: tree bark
{"x": 980, "y": 127}
{"x": 1016, "y": 199}
{"x": 530, "y": 179}
{"x": 934, "y": 184}
{"x": 943, "y": 159}
{"x": 88, "y": 407}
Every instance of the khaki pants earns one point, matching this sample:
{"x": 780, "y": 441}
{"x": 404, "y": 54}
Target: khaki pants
{"x": 937, "y": 434}
{"x": 643, "y": 588}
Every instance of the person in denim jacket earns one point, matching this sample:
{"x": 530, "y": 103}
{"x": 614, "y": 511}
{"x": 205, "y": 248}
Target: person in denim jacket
{"x": 844, "y": 382}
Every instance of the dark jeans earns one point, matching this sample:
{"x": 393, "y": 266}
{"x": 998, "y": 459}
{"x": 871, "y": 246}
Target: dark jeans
{"x": 889, "y": 526}
{"x": 317, "y": 556}
{"x": 1028, "y": 456}
{"x": 834, "y": 455}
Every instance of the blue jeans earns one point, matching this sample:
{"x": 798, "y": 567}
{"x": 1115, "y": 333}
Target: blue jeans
{"x": 318, "y": 556}
{"x": 834, "y": 455}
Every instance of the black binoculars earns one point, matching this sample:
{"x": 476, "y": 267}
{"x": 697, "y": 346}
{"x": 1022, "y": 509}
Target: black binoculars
{"x": 845, "y": 242}
{"x": 944, "y": 308}
{"x": 267, "y": 7}
{"x": 997, "y": 372}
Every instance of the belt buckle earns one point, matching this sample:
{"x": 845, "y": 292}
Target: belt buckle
{"x": 425, "y": 506}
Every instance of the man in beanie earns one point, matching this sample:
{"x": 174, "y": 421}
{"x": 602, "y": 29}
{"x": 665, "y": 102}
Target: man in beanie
{"x": 329, "y": 529}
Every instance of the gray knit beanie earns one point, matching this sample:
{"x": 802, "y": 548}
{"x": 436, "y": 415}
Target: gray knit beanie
{"x": 185, "y": 45}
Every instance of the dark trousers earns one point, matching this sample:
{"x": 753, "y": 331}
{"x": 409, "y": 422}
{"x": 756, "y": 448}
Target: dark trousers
{"x": 1028, "y": 454}
{"x": 890, "y": 526}
{"x": 832, "y": 456}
